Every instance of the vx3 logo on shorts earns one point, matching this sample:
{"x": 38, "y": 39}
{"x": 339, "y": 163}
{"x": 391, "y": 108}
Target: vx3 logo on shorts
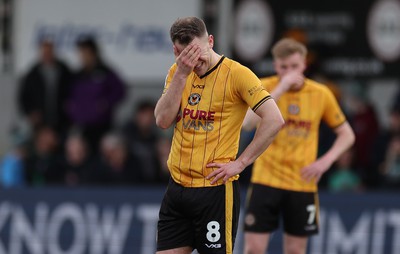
{"x": 213, "y": 245}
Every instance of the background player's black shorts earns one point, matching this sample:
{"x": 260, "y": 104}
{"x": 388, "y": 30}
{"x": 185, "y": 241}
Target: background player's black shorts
{"x": 266, "y": 205}
{"x": 204, "y": 218}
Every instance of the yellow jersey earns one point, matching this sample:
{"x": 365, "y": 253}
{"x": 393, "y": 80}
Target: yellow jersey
{"x": 209, "y": 120}
{"x": 296, "y": 144}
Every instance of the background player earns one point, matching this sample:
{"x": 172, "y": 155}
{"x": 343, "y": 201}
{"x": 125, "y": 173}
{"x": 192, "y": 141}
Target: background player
{"x": 206, "y": 96}
{"x": 284, "y": 179}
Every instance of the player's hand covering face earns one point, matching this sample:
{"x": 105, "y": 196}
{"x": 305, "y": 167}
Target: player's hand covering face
{"x": 290, "y": 70}
{"x": 292, "y": 80}
{"x": 196, "y": 56}
{"x": 187, "y": 58}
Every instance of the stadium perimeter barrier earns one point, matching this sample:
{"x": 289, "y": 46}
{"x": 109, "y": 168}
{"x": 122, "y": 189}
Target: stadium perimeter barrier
{"x": 123, "y": 220}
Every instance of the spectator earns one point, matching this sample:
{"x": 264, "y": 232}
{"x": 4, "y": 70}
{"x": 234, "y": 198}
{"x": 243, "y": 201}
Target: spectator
{"x": 115, "y": 166}
{"x": 391, "y": 166}
{"x": 363, "y": 119}
{"x": 44, "y": 88}
{"x": 143, "y": 138}
{"x": 41, "y": 163}
{"x": 12, "y": 169}
{"x": 76, "y": 163}
{"x": 343, "y": 177}
{"x": 396, "y": 102}
{"x": 95, "y": 93}
{"x": 382, "y": 142}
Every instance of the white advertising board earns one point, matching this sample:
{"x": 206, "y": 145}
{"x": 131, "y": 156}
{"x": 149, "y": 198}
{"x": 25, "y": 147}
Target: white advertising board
{"x": 133, "y": 34}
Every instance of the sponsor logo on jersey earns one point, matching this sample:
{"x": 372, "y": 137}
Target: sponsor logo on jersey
{"x": 196, "y": 119}
{"x": 298, "y": 128}
{"x": 198, "y": 86}
{"x": 254, "y": 89}
{"x": 298, "y": 124}
{"x": 179, "y": 116}
{"x": 194, "y": 99}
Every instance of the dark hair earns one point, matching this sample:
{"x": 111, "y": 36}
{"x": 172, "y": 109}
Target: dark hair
{"x": 45, "y": 41}
{"x": 145, "y": 104}
{"x": 88, "y": 42}
{"x": 184, "y": 30}
{"x": 395, "y": 108}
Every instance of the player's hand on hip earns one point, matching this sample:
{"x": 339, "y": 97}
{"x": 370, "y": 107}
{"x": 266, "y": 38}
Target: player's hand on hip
{"x": 187, "y": 59}
{"x": 314, "y": 171}
{"x": 224, "y": 171}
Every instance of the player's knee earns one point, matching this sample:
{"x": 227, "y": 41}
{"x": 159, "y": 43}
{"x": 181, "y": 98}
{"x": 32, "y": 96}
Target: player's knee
{"x": 294, "y": 249}
{"x": 256, "y": 243}
{"x": 253, "y": 251}
{"x": 255, "y": 248}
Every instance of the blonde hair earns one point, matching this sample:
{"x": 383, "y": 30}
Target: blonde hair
{"x": 286, "y": 47}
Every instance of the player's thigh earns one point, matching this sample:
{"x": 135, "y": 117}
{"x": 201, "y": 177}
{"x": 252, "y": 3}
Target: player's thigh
{"x": 174, "y": 228}
{"x": 216, "y": 224}
{"x": 182, "y": 250}
{"x": 301, "y": 213}
{"x": 263, "y": 209}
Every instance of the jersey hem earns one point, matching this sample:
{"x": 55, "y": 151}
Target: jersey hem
{"x": 286, "y": 189}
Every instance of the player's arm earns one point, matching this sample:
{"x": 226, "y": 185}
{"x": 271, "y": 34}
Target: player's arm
{"x": 271, "y": 122}
{"x": 251, "y": 120}
{"x": 344, "y": 140}
{"x": 287, "y": 82}
{"x": 167, "y": 106}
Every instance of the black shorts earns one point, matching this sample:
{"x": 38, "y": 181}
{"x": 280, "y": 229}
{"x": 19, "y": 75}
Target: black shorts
{"x": 203, "y": 218}
{"x": 265, "y": 206}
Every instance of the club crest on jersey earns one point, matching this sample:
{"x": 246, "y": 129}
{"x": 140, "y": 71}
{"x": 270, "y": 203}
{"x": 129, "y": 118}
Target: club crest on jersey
{"x": 294, "y": 109}
{"x": 194, "y": 99}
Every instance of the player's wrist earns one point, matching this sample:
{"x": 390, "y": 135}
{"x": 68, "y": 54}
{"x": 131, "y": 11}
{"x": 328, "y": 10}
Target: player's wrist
{"x": 242, "y": 163}
{"x": 182, "y": 73}
{"x": 329, "y": 160}
{"x": 284, "y": 85}
{"x": 278, "y": 92}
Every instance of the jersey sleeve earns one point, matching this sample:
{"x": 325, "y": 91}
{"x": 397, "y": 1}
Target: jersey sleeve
{"x": 168, "y": 78}
{"x": 249, "y": 88}
{"x": 332, "y": 114}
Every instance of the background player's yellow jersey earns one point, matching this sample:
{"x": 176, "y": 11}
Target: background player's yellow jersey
{"x": 296, "y": 144}
{"x": 210, "y": 117}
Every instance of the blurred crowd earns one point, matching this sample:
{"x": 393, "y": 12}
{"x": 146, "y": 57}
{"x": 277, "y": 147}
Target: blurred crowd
{"x": 374, "y": 160}
{"x": 72, "y": 138}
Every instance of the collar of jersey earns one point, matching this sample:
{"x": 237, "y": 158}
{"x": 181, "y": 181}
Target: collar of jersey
{"x": 213, "y": 68}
